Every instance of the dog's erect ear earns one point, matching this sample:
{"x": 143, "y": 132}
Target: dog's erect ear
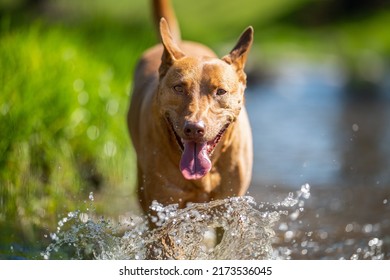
{"x": 237, "y": 57}
{"x": 171, "y": 52}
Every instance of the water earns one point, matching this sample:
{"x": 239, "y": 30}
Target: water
{"x": 311, "y": 126}
{"x": 251, "y": 231}
{"x": 182, "y": 233}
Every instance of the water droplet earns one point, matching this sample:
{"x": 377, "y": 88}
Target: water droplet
{"x": 288, "y": 235}
{"x": 283, "y": 226}
{"x": 112, "y": 107}
{"x": 349, "y": 228}
{"x": 83, "y": 217}
{"x": 110, "y": 148}
{"x": 71, "y": 214}
{"x": 80, "y": 115}
{"x": 355, "y": 127}
{"x": 367, "y": 228}
{"x": 294, "y": 215}
{"x": 289, "y": 201}
{"x": 373, "y": 242}
{"x": 83, "y": 97}
{"x": 78, "y": 85}
{"x": 53, "y": 236}
{"x": 93, "y": 132}
{"x": 355, "y": 257}
{"x": 305, "y": 188}
{"x": 323, "y": 235}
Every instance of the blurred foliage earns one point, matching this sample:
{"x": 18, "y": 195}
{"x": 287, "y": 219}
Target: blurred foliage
{"x": 63, "y": 101}
{"x": 65, "y": 76}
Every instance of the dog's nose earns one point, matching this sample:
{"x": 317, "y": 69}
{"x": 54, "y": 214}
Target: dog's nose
{"x": 194, "y": 129}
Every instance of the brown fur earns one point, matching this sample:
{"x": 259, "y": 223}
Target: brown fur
{"x": 182, "y": 83}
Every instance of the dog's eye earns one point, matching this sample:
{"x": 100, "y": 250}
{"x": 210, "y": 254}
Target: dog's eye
{"x": 221, "y": 91}
{"x": 178, "y": 88}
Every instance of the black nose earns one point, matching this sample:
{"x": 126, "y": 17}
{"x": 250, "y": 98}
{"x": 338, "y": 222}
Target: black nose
{"x": 194, "y": 129}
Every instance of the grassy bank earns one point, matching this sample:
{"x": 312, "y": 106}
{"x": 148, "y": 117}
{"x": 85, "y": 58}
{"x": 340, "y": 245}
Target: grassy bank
{"x": 65, "y": 92}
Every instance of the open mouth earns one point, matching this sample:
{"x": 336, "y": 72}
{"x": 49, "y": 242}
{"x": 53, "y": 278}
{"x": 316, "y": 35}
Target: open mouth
{"x": 195, "y": 161}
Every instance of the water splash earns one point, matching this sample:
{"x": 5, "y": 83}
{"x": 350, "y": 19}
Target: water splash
{"x": 247, "y": 234}
{"x": 251, "y": 231}
{"x": 80, "y": 235}
{"x": 182, "y": 233}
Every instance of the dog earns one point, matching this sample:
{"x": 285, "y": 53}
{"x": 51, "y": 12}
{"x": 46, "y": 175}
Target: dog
{"x": 187, "y": 119}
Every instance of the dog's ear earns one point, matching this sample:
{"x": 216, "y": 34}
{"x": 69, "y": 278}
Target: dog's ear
{"x": 237, "y": 57}
{"x": 171, "y": 52}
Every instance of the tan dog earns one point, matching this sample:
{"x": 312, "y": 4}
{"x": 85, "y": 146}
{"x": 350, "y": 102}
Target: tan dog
{"x": 187, "y": 119}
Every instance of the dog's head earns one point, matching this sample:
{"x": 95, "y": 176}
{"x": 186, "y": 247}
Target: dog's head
{"x": 199, "y": 97}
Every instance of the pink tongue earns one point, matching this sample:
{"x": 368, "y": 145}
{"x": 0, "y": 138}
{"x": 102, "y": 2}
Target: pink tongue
{"x": 195, "y": 162}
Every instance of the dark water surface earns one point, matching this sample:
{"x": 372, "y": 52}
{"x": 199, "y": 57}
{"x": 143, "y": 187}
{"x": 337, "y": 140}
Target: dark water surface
{"x": 310, "y": 127}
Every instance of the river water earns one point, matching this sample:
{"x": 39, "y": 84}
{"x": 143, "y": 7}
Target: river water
{"x": 320, "y": 188}
{"x": 311, "y": 126}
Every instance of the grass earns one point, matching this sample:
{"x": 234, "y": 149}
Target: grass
{"x": 63, "y": 103}
{"x": 65, "y": 91}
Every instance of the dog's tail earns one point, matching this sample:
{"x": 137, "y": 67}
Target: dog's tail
{"x": 163, "y": 8}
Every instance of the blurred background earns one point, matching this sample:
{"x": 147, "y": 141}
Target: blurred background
{"x": 318, "y": 98}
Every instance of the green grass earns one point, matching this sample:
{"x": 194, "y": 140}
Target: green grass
{"x": 63, "y": 101}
